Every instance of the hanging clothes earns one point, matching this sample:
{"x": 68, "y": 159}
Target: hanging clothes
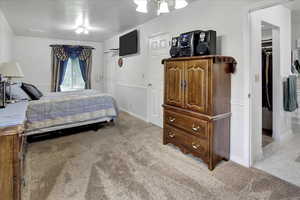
{"x": 267, "y": 79}
{"x": 290, "y": 94}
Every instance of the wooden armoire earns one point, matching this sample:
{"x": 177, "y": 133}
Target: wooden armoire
{"x": 197, "y": 107}
{"x": 11, "y": 162}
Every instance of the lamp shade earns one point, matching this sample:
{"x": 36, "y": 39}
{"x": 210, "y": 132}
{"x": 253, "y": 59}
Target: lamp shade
{"x": 180, "y": 4}
{"x": 164, "y": 7}
{"x": 141, "y": 6}
{"x": 11, "y": 70}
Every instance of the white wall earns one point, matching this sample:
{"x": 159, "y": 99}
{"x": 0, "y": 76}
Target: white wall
{"x": 229, "y": 21}
{"x": 296, "y": 54}
{"x": 295, "y": 28}
{"x": 280, "y": 18}
{"x": 34, "y": 56}
{"x": 6, "y": 38}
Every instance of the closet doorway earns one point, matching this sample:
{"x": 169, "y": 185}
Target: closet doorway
{"x": 267, "y": 84}
{"x": 266, "y": 101}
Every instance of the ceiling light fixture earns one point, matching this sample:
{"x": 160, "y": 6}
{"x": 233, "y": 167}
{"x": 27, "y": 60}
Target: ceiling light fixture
{"x": 79, "y": 30}
{"x": 82, "y": 29}
{"x": 162, "y": 5}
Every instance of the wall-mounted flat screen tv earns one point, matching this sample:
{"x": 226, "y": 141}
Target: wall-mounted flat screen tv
{"x": 128, "y": 44}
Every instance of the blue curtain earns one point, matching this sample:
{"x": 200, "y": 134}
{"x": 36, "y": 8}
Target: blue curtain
{"x": 62, "y": 72}
{"x": 82, "y": 64}
{"x": 72, "y": 53}
{"x": 75, "y": 52}
{"x": 61, "y": 56}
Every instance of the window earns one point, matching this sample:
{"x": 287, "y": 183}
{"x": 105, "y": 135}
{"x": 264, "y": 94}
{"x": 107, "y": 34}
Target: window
{"x": 73, "y": 78}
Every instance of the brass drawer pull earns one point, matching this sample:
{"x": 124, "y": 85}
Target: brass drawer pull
{"x": 196, "y": 146}
{"x": 171, "y": 135}
{"x": 196, "y": 129}
{"x": 172, "y": 119}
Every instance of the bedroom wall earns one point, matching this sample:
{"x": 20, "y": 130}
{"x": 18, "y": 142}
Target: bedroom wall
{"x": 229, "y": 21}
{"x": 6, "y": 39}
{"x": 34, "y": 56}
{"x": 296, "y": 56}
{"x": 295, "y": 28}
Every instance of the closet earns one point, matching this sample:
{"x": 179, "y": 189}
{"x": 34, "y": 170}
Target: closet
{"x": 267, "y": 91}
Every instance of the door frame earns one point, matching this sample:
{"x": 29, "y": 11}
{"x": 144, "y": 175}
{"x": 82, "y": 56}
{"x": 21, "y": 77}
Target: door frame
{"x": 255, "y": 124}
{"x": 256, "y": 149}
{"x": 247, "y": 156}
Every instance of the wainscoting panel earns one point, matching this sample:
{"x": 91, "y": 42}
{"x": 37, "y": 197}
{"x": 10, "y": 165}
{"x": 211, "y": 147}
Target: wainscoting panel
{"x": 132, "y": 99}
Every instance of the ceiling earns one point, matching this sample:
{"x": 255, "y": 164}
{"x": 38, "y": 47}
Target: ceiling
{"x": 59, "y": 18}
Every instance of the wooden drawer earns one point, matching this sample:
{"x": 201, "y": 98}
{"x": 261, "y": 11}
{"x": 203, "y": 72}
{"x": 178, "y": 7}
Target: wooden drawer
{"x": 188, "y": 141}
{"x": 192, "y": 125}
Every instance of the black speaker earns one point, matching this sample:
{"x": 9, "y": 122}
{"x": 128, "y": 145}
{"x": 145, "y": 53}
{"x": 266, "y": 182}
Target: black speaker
{"x": 206, "y": 43}
{"x": 194, "y": 43}
{"x": 175, "y": 49}
{"x": 187, "y": 42}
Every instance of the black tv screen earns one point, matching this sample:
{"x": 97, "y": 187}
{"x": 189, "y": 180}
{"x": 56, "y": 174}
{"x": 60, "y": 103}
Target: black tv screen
{"x": 128, "y": 44}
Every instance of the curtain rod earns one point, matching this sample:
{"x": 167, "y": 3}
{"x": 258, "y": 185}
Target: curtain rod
{"x": 60, "y": 45}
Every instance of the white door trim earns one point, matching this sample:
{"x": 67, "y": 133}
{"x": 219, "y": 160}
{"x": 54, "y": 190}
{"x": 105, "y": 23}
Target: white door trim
{"x": 256, "y": 150}
{"x": 255, "y": 125}
{"x": 247, "y": 66}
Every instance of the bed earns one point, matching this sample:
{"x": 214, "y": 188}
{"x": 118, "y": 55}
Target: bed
{"x": 56, "y": 111}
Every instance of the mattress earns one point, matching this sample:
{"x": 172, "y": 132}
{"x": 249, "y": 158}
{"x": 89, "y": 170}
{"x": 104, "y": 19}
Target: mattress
{"x": 67, "y": 109}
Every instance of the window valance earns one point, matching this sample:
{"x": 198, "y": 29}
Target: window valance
{"x": 64, "y": 52}
{"x": 61, "y": 55}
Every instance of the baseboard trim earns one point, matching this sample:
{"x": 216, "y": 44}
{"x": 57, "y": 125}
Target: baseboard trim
{"x": 239, "y": 161}
{"x": 133, "y": 114}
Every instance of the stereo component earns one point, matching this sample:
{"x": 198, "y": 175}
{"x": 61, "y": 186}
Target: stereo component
{"x": 207, "y": 43}
{"x": 187, "y": 42}
{"x": 194, "y": 43}
{"x": 175, "y": 49}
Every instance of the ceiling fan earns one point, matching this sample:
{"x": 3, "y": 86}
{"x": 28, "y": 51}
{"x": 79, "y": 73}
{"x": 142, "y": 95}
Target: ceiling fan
{"x": 162, "y": 5}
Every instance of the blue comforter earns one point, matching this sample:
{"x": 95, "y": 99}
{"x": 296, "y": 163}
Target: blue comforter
{"x": 65, "y": 108}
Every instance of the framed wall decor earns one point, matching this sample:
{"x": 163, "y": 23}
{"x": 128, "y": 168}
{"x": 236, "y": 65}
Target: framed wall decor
{"x": 120, "y": 62}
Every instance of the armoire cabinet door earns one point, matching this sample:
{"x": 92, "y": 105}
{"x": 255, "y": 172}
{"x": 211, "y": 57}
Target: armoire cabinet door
{"x": 197, "y": 93}
{"x": 174, "y": 80}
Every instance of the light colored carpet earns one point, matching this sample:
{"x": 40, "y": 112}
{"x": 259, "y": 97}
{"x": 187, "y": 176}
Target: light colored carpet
{"x": 127, "y": 161}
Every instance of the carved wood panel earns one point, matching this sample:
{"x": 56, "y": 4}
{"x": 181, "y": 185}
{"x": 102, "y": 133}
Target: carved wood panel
{"x": 174, "y": 79}
{"x": 197, "y": 92}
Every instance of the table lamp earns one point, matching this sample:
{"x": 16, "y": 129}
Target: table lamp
{"x": 11, "y": 70}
